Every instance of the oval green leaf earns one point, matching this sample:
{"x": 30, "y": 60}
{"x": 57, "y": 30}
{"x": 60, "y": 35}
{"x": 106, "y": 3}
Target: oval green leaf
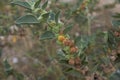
{"x": 47, "y": 35}
{"x": 27, "y": 19}
{"x": 57, "y": 16}
{"x": 22, "y": 4}
{"x": 45, "y": 5}
{"x": 37, "y": 3}
{"x": 68, "y": 28}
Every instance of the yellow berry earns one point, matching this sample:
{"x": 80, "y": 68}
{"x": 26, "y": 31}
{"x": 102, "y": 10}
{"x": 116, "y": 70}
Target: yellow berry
{"x": 61, "y": 38}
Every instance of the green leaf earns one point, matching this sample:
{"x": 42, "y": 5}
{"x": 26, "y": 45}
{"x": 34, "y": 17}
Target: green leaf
{"x": 67, "y": 29}
{"x": 8, "y": 68}
{"x": 47, "y": 35}
{"x": 57, "y": 16}
{"x": 27, "y": 19}
{"x": 6, "y": 64}
{"x": 117, "y": 15}
{"x": 74, "y": 73}
{"x": 45, "y": 5}
{"x": 112, "y": 43}
{"x": 82, "y": 41}
{"x": 37, "y": 4}
{"x": 116, "y": 22}
{"x": 22, "y": 4}
{"x": 45, "y": 16}
{"x": 79, "y": 2}
{"x": 61, "y": 55}
{"x": 52, "y": 16}
{"x": 19, "y": 76}
{"x": 94, "y": 69}
{"x": 115, "y": 76}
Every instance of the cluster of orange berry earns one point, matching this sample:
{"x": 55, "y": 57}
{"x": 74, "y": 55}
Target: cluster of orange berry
{"x": 67, "y": 42}
{"x": 74, "y": 61}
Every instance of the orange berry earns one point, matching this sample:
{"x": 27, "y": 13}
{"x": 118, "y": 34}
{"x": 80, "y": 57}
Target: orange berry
{"x": 73, "y": 49}
{"x": 66, "y": 42}
{"x": 71, "y": 61}
{"x": 61, "y": 38}
{"x": 77, "y": 60}
{"x": 71, "y": 44}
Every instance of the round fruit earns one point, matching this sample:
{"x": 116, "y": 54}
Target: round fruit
{"x": 66, "y": 42}
{"x": 71, "y": 61}
{"x": 77, "y": 60}
{"x": 73, "y": 49}
{"x": 61, "y": 38}
{"x": 71, "y": 44}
